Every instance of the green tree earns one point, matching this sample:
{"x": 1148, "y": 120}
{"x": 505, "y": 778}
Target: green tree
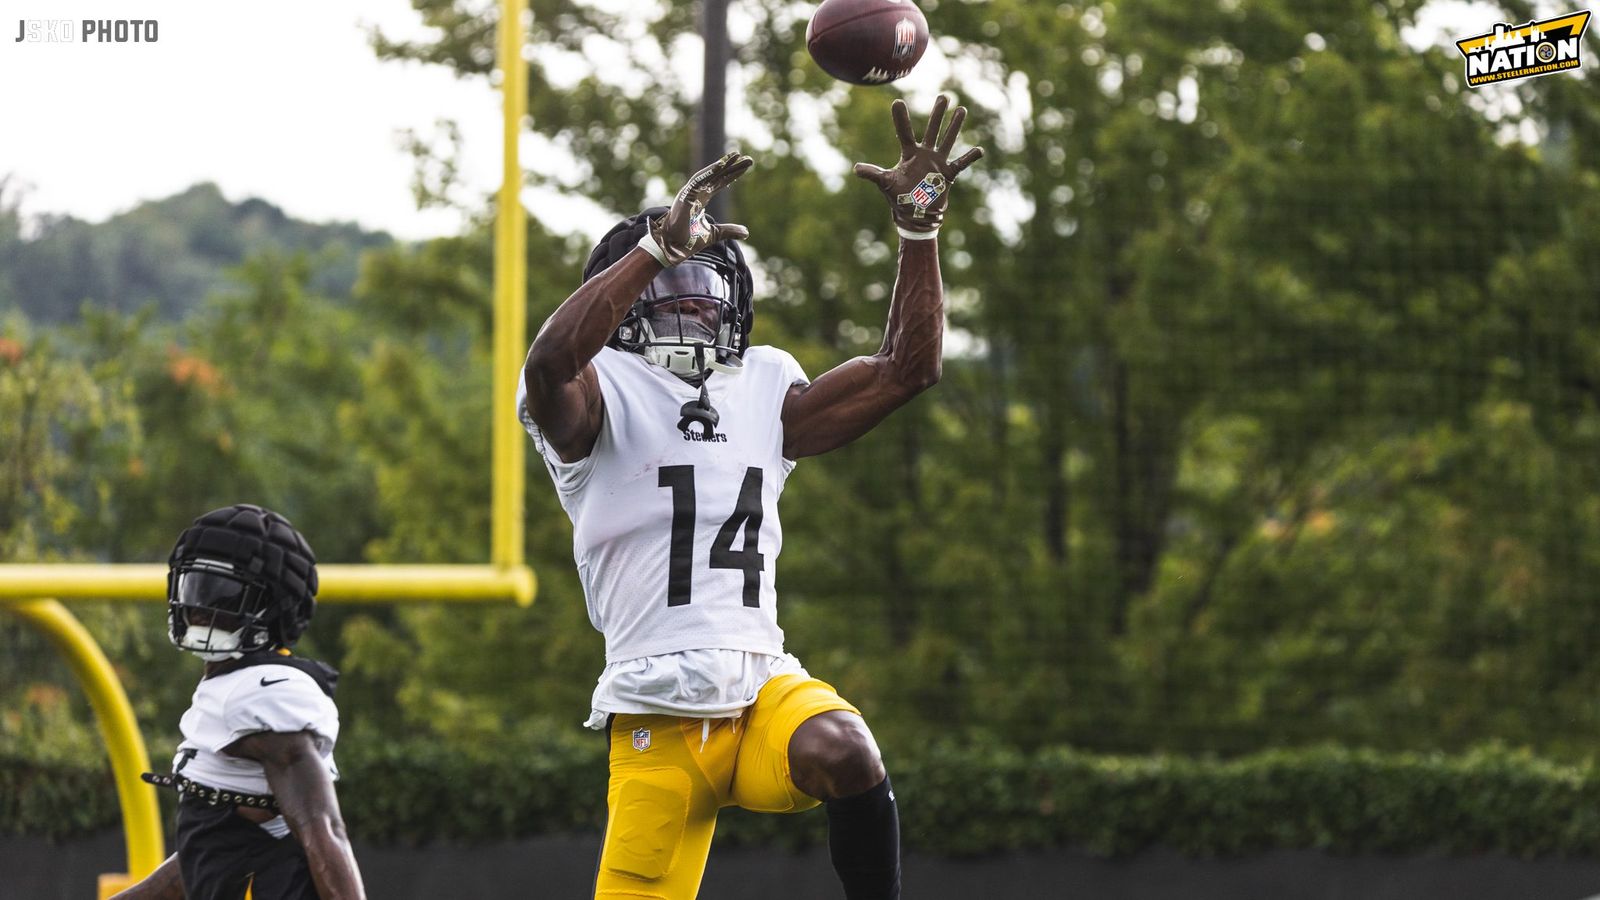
{"x": 1214, "y": 257}
{"x": 1269, "y": 414}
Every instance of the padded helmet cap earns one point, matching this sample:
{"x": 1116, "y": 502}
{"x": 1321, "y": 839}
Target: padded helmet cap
{"x": 263, "y": 546}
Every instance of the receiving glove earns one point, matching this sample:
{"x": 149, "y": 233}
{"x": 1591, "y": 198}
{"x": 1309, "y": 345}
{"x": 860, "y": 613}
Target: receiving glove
{"x": 918, "y": 188}
{"x": 686, "y": 230}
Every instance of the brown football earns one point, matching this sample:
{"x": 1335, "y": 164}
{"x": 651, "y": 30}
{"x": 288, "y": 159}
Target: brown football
{"x": 867, "y": 41}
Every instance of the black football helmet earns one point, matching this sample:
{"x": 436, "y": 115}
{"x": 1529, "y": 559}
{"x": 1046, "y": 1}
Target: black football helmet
{"x": 718, "y": 273}
{"x": 240, "y": 578}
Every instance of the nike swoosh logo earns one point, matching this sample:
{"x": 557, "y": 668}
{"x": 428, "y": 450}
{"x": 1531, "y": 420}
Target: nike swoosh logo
{"x": 266, "y": 683}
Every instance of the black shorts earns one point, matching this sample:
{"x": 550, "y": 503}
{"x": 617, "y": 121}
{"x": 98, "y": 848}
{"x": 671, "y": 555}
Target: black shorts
{"x": 220, "y": 853}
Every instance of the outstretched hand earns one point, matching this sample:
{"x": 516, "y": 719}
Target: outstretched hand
{"x": 684, "y": 230}
{"x": 918, "y": 188}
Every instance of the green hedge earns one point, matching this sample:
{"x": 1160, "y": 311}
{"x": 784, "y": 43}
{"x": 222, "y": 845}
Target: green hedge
{"x": 51, "y": 799}
{"x": 964, "y": 800}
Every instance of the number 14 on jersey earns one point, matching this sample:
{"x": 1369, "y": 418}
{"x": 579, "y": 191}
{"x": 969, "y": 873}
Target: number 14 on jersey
{"x": 746, "y": 516}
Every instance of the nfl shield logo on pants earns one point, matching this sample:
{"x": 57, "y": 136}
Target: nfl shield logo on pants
{"x": 641, "y": 739}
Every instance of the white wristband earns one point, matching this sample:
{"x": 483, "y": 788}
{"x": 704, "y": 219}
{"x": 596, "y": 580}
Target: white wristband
{"x": 917, "y": 235}
{"x": 648, "y": 244}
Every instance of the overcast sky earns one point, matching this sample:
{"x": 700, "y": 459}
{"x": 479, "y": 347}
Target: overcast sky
{"x": 283, "y": 101}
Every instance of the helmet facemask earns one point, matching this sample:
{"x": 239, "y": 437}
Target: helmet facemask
{"x": 660, "y": 329}
{"x": 216, "y": 613}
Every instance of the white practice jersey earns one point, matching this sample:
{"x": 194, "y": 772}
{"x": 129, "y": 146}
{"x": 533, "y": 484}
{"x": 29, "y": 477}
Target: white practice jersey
{"x": 676, "y": 537}
{"x": 246, "y": 701}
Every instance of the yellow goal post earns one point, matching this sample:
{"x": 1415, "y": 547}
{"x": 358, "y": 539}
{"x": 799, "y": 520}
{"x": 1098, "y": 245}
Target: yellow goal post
{"x": 34, "y": 591}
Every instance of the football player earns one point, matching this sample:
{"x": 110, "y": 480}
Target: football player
{"x": 255, "y": 770}
{"x": 669, "y": 437}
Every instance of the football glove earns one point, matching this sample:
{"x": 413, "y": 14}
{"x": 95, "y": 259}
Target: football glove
{"x": 918, "y": 188}
{"x": 686, "y": 230}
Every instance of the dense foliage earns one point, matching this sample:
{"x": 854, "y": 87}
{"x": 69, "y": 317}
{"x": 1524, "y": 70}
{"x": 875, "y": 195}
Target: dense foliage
{"x": 961, "y": 801}
{"x": 1271, "y": 415}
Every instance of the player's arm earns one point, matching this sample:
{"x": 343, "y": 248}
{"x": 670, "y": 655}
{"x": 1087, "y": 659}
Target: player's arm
{"x": 305, "y": 795}
{"x": 848, "y": 400}
{"x": 563, "y": 390}
{"x": 165, "y": 883}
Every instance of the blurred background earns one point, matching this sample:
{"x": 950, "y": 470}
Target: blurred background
{"x": 1258, "y": 508}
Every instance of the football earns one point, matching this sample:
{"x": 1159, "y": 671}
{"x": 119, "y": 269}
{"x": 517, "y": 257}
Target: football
{"x": 867, "y": 41}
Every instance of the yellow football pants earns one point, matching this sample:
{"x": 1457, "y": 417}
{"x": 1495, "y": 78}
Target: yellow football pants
{"x": 670, "y": 775}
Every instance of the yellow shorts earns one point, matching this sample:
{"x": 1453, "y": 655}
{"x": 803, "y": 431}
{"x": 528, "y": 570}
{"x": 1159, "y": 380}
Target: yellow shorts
{"x": 670, "y": 775}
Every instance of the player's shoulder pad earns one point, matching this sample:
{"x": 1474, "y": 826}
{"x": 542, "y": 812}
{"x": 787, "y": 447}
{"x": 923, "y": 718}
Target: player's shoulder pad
{"x": 613, "y": 355}
{"x": 774, "y": 362}
{"x": 611, "y": 363}
{"x": 766, "y": 355}
{"x": 325, "y": 676}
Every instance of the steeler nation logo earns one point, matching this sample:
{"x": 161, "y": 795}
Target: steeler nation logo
{"x": 1539, "y": 47}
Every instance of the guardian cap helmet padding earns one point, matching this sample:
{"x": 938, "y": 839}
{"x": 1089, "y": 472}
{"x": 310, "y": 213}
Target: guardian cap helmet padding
{"x": 691, "y": 359}
{"x": 240, "y": 578}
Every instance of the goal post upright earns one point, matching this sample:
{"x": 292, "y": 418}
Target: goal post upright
{"x": 141, "y": 815}
{"x": 510, "y": 298}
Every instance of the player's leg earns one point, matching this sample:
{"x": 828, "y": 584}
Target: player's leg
{"x": 833, "y": 757}
{"x": 218, "y": 850}
{"x": 806, "y": 744}
{"x": 668, "y": 778}
{"x": 288, "y": 879}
